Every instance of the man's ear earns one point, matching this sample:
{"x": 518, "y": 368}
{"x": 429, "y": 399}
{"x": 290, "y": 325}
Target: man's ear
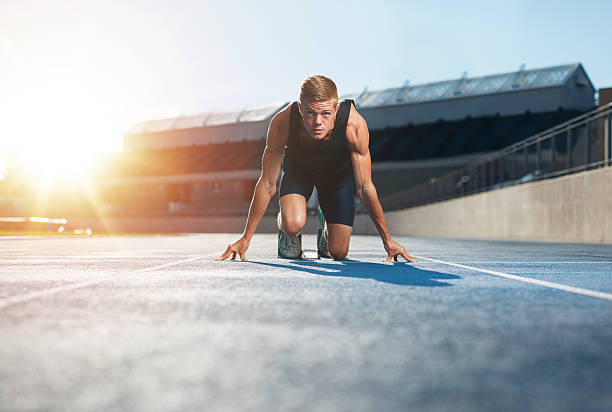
{"x": 300, "y": 108}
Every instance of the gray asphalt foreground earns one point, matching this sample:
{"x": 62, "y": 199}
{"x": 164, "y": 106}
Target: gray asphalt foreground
{"x": 155, "y": 324}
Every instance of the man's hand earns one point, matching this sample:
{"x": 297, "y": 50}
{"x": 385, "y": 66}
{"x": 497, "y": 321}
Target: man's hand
{"x": 238, "y": 247}
{"x": 394, "y": 250}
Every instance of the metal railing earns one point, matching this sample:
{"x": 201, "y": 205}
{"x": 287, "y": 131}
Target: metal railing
{"x": 579, "y": 144}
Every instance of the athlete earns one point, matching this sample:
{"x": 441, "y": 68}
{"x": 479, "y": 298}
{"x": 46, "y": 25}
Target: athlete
{"x": 318, "y": 143}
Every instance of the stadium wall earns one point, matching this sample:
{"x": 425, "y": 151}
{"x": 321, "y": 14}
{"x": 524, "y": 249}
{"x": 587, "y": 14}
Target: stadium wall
{"x": 573, "y": 208}
{"x": 233, "y": 132}
{"x": 180, "y": 224}
{"x": 541, "y": 100}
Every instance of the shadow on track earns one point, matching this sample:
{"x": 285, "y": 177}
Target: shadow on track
{"x": 396, "y": 273}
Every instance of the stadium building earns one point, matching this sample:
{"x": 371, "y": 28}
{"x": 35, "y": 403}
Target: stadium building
{"x": 209, "y": 163}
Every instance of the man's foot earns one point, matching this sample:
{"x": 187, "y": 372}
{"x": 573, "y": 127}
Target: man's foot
{"x": 322, "y": 246}
{"x": 288, "y": 247}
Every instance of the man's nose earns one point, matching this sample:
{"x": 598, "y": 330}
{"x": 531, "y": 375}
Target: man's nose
{"x": 317, "y": 119}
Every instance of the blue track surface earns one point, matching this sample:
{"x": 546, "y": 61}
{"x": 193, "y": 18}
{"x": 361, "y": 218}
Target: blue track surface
{"x": 153, "y": 323}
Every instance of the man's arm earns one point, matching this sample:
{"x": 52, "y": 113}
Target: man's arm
{"x": 266, "y": 185}
{"x": 358, "y": 140}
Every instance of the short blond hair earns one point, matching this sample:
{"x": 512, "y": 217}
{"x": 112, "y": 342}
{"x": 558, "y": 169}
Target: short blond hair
{"x": 318, "y": 88}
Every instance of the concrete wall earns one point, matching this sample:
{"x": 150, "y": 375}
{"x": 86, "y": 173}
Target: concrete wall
{"x": 198, "y": 224}
{"x": 179, "y": 224}
{"x": 162, "y": 224}
{"x": 574, "y": 208}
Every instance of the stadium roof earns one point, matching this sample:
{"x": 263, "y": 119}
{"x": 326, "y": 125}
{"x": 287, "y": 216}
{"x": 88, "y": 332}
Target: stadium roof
{"x": 450, "y": 89}
{"x": 464, "y": 87}
{"x": 207, "y": 119}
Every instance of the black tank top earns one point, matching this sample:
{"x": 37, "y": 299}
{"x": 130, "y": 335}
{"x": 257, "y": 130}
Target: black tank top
{"x": 328, "y": 163}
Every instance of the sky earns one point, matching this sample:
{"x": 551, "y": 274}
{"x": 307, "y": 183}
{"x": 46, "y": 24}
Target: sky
{"x": 76, "y": 75}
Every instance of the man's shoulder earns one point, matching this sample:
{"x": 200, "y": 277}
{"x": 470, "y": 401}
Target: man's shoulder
{"x": 357, "y": 137}
{"x": 356, "y": 123}
{"x": 279, "y": 127}
{"x": 284, "y": 114}
{"x": 355, "y": 119}
{"x": 282, "y": 118}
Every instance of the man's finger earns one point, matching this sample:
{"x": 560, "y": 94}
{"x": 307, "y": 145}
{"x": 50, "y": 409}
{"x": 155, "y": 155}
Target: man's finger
{"x": 408, "y": 257}
{"x": 388, "y": 259}
{"x": 225, "y": 254}
{"x": 243, "y": 257}
{"x": 233, "y": 255}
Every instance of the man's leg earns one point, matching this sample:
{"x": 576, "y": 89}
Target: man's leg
{"x": 293, "y": 213}
{"x": 338, "y": 238}
{"x": 339, "y": 210}
{"x": 294, "y": 192}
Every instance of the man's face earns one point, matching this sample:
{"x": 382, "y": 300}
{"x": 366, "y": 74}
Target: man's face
{"x": 318, "y": 117}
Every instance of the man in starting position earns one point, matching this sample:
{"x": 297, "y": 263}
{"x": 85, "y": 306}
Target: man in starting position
{"x": 321, "y": 143}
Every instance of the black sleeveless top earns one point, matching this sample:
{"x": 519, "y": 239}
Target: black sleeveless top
{"x": 329, "y": 163}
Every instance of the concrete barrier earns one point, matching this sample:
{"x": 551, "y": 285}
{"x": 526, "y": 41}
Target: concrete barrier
{"x": 573, "y": 208}
{"x": 179, "y": 224}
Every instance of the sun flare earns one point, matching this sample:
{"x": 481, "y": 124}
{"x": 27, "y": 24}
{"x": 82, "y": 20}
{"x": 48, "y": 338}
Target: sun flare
{"x": 62, "y": 127}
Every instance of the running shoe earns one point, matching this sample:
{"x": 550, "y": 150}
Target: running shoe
{"x": 288, "y": 247}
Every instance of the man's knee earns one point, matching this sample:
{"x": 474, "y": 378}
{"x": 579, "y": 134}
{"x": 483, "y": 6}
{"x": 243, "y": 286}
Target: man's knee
{"x": 293, "y": 226}
{"x": 338, "y": 252}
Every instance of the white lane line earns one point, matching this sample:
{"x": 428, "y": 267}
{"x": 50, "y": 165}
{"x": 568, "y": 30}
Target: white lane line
{"x": 531, "y": 262}
{"x": 24, "y": 297}
{"x": 77, "y": 259}
{"x": 572, "y": 289}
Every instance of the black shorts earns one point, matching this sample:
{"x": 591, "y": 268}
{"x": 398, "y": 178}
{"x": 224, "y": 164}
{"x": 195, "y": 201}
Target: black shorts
{"x": 337, "y": 204}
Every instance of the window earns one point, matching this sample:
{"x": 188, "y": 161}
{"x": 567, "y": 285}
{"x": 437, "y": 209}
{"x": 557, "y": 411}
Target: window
{"x": 216, "y": 186}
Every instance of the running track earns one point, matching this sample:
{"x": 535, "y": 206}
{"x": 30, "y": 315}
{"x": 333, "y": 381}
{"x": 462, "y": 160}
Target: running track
{"x": 155, "y": 324}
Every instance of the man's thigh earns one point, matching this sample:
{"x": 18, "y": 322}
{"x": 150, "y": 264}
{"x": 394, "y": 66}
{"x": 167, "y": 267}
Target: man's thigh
{"x": 293, "y": 210}
{"x": 339, "y": 210}
{"x": 338, "y": 204}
